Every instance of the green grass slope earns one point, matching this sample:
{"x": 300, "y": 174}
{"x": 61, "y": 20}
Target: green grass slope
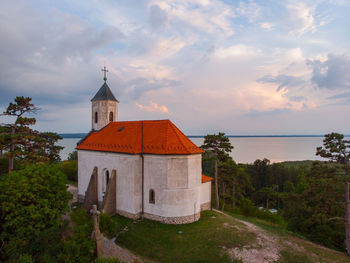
{"x": 217, "y": 237}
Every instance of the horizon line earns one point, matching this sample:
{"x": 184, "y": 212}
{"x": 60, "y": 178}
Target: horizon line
{"x": 80, "y": 135}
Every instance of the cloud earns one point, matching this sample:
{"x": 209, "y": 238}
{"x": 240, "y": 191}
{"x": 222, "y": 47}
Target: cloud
{"x": 209, "y": 16}
{"x": 157, "y": 17}
{"x": 264, "y": 113}
{"x": 249, "y": 9}
{"x": 236, "y": 50}
{"x": 154, "y": 107}
{"x": 332, "y": 74}
{"x": 304, "y": 17}
{"x": 283, "y": 81}
{"x": 267, "y": 26}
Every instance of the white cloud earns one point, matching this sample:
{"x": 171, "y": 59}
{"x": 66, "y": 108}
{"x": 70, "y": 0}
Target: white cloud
{"x": 267, "y": 26}
{"x": 304, "y": 17}
{"x": 153, "y": 107}
{"x": 236, "y": 50}
{"x": 210, "y": 16}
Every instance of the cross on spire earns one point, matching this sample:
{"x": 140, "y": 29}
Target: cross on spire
{"x": 104, "y": 73}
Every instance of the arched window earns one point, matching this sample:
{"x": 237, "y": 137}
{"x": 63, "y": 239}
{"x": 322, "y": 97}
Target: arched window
{"x": 96, "y": 117}
{"x": 111, "y": 116}
{"x": 105, "y": 180}
{"x": 151, "y": 196}
{"x": 107, "y": 177}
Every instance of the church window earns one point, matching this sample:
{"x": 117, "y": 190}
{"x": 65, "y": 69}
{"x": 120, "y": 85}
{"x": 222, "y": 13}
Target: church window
{"x": 96, "y": 117}
{"x": 151, "y": 196}
{"x": 107, "y": 177}
{"x": 111, "y": 116}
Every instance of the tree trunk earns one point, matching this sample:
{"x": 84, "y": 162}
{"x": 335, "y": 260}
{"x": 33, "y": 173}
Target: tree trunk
{"x": 223, "y": 196}
{"x": 233, "y": 195}
{"x": 267, "y": 203}
{"x": 216, "y": 182}
{"x": 347, "y": 218}
{"x": 12, "y": 149}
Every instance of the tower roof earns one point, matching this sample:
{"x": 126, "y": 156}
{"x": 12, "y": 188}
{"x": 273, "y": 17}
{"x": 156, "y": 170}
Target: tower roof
{"x": 104, "y": 93}
{"x": 135, "y": 137}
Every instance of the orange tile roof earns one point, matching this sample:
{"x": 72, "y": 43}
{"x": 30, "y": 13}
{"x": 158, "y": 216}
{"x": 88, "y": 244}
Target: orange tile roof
{"x": 159, "y": 137}
{"x": 206, "y": 178}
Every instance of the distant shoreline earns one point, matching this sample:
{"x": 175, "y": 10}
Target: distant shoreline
{"x": 81, "y": 135}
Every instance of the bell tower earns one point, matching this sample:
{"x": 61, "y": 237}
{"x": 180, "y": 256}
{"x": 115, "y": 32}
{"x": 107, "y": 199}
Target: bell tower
{"x": 104, "y": 106}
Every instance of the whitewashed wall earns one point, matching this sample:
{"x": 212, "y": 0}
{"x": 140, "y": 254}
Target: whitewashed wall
{"x": 176, "y": 181}
{"x": 206, "y": 192}
{"x": 128, "y": 169}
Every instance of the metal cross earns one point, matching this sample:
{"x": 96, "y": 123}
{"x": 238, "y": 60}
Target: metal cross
{"x": 104, "y": 72}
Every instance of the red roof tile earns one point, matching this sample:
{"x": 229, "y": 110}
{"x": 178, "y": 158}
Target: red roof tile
{"x": 159, "y": 137}
{"x": 206, "y": 178}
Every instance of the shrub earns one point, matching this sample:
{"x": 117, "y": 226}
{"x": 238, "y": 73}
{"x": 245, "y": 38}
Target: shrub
{"x": 31, "y": 200}
{"x": 247, "y": 207}
{"x": 70, "y": 169}
{"x": 108, "y": 226}
{"x": 80, "y": 248}
{"x": 80, "y": 217}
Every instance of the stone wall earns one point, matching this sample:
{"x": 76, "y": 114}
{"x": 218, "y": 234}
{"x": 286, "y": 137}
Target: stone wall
{"x": 206, "y": 206}
{"x": 174, "y": 220}
{"x": 109, "y": 204}
{"x": 128, "y": 215}
{"x": 91, "y": 194}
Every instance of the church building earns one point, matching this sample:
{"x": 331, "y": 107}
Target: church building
{"x": 146, "y": 168}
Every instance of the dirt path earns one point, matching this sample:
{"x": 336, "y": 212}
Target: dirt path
{"x": 265, "y": 249}
{"x": 112, "y": 250}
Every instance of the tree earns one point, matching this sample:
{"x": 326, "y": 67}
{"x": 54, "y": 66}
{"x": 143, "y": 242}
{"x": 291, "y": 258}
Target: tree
{"x": 315, "y": 206}
{"x": 267, "y": 193}
{"x": 31, "y": 200}
{"x": 218, "y": 146}
{"x": 19, "y": 142}
{"x": 20, "y": 127}
{"x": 337, "y": 150}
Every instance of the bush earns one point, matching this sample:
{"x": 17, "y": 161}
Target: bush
{"x": 271, "y": 217}
{"x": 247, "y": 208}
{"x": 108, "y": 226}
{"x": 80, "y": 248}
{"x": 80, "y": 217}
{"x": 31, "y": 200}
{"x": 70, "y": 169}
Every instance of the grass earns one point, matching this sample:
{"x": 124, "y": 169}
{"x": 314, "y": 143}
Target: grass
{"x": 205, "y": 240}
{"x": 201, "y": 241}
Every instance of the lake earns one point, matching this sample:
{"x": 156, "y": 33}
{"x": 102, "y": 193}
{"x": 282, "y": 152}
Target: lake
{"x": 248, "y": 149}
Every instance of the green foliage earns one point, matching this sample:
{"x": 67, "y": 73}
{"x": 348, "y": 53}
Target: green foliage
{"x": 108, "y": 260}
{"x": 80, "y": 217}
{"x": 247, "y": 208}
{"x": 31, "y": 200}
{"x": 73, "y": 156}
{"x": 218, "y": 144}
{"x": 18, "y": 142}
{"x": 70, "y": 169}
{"x": 316, "y": 208}
{"x": 335, "y": 148}
{"x": 25, "y": 258}
{"x": 108, "y": 226}
{"x": 80, "y": 248}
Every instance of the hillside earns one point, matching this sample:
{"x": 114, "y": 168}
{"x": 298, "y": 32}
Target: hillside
{"x": 217, "y": 238}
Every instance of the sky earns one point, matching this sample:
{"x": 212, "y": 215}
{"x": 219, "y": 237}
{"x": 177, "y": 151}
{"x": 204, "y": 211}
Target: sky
{"x": 239, "y": 67}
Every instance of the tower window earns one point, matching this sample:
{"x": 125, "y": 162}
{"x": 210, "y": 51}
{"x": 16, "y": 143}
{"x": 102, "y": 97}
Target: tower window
{"x": 111, "y": 116}
{"x": 151, "y": 196}
{"x": 96, "y": 120}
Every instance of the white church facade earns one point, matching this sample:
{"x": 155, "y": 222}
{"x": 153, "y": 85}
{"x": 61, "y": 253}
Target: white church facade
{"x": 140, "y": 168}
